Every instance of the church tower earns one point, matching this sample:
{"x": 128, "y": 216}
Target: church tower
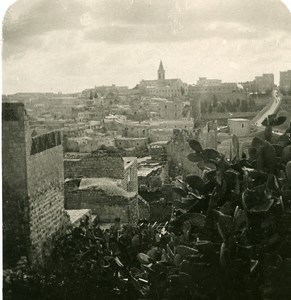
{"x": 161, "y": 72}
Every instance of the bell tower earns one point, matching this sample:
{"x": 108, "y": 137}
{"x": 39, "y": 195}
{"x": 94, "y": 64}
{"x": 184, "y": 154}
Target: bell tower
{"x": 161, "y": 72}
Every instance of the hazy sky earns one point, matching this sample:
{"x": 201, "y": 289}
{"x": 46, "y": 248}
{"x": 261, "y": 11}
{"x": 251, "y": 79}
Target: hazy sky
{"x": 69, "y": 45}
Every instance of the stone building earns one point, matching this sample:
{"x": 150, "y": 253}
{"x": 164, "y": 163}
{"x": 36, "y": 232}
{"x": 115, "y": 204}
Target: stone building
{"x": 264, "y": 83}
{"x": 137, "y": 129}
{"x": 170, "y": 110}
{"x": 132, "y": 142}
{"x": 239, "y": 127}
{"x": 157, "y": 150}
{"x": 285, "y": 81}
{"x": 87, "y": 144}
{"x": 151, "y": 174}
{"x": 162, "y": 130}
{"x": 33, "y": 194}
{"x": 104, "y": 163}
{"x": 163, "y": 87}
{"x": 106, "y": 199}
{"x": 207, "y": 89}
{"x": 261, "y": 84}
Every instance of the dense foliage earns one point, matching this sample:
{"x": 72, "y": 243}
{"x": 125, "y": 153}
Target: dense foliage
{"x": 228, "y": 238}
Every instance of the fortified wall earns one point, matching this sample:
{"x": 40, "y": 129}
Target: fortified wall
{"x": 33, "y": 194}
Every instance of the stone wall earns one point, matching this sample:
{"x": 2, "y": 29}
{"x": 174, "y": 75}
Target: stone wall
{"x": 177, "y": 151}
{"x": 45, "y": 182}
{"x": 143, "y": 209}
{"x": 95, "y": 165}
{"x": 207, "y": 135}
{"x": 33, "y": 198}
{"x": 130, "y": 177}
{"x": 15, "y": 214}
{"x": 124, "y": 143}
{"x": 106, "y": 207}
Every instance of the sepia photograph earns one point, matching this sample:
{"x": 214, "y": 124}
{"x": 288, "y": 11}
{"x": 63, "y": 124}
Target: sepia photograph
{"x": 146, "y": 149}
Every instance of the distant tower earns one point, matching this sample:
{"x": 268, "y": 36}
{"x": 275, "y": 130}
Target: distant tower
{"x": 161, "y": 72}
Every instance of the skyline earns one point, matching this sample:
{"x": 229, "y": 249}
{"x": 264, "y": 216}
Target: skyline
{"x": 68, "y": 46}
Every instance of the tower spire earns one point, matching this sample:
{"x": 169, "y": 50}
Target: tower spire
{"x": 161, "y": 71}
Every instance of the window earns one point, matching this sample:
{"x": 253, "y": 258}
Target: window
{"x": 242, "y": 125}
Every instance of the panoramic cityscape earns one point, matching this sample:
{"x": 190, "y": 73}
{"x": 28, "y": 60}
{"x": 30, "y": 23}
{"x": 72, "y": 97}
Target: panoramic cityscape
{"x": 146, "y": 150}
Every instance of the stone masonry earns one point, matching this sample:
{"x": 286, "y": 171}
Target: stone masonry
{"x": 177, "y": 151}
{"x": 104, "y": 163}
{"x": 33, "y": 194}
{"x": 106, "y": 199}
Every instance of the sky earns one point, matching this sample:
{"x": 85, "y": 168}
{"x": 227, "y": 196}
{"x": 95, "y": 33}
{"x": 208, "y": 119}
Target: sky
{"x": 70, "y": 45}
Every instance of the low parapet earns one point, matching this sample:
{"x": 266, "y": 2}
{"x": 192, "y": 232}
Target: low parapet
{"x": 45, "y": 141}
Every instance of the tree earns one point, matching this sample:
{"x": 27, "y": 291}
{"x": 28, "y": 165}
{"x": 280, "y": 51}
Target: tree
{"x": 91, "y": 95}
{"x": 244, "y": 106}
{"x": 237, "y": 103}
{"x": 95, "y": 95}
{"x": 221, "y": 107}
{"x": 252, "y": 104}
{"x": 228, "y": 105}
{"x": 214, "y": 101}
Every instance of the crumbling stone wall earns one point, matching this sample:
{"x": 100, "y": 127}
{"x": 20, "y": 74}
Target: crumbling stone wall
{"x": 177, "y": 151}
{"x": 105, "y": 206}
{"x": 207, "y": 135}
